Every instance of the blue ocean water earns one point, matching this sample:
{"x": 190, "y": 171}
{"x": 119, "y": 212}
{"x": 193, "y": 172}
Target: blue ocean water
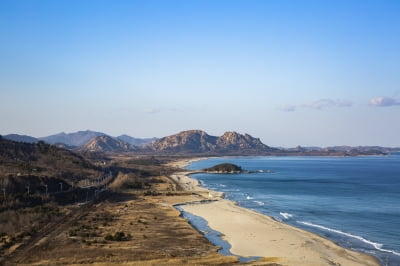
{"x": 354, "y": 201}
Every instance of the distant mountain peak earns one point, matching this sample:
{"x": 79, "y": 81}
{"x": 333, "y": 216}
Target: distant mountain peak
{"x": 186, "y": 141}
{"x": 193, "y": 131}
{"x": 233, "y": 140}
{"x": 136, "y": 141}
{"x": 72, "y": 139}
{"x": 106, "y": 143}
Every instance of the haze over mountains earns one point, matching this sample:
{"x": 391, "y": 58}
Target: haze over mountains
{"x": 21, "y": 138}
{"x": 188, "y": 142}
{"x": 136, "y": 141}
{"x": 72, "y": 139}
{"x": 76, "y": 139}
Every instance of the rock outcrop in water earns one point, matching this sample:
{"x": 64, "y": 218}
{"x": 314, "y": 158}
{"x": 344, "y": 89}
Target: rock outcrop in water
{"x": 224, "y": 168}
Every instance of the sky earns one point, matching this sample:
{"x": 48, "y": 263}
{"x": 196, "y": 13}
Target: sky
{"x": 309, "y": 73}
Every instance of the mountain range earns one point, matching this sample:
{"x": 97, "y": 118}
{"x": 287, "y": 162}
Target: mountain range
{"x": 189, "y": 142}
{"x": 198, "y": 141}
{"x": 76, "y": 139}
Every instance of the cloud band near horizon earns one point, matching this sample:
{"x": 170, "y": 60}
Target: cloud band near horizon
{"x": 318, "y": 105}
{"x": 380, "y": 101}
{"x": 383, "y": 101}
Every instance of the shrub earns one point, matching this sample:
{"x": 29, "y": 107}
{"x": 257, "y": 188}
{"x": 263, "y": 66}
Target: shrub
{"x": 109, "y": 237}
{"x": 118, "y": 236}
{"x": 72, "y": 233}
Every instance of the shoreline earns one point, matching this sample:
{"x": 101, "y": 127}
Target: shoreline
{"x": 252, "y": 234}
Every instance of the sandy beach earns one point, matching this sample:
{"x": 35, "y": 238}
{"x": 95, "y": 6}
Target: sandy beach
{"x": 252, "y": 234}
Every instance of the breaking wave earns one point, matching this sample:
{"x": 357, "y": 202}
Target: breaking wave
{"x": 377, "y": 246}
{"x": 286, "y": 215}
{"x": 260, "y": 203}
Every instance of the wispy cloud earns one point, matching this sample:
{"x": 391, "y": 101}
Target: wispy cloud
{"x": 326, "y": 103}
{"x": 288, "y": 108}
{"x": 317, "y": 105}
{"x": 153, "y": 111}
{"x": 383, "y": 101}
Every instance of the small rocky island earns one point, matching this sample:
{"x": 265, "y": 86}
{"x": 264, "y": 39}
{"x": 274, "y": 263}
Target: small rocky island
{"x": 224, "y": 168}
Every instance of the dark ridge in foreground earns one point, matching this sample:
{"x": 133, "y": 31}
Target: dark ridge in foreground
{"x": 31, "y": 173}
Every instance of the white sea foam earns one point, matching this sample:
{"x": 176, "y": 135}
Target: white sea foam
{"x": 260, "y": 203}
{"x": 377, "y": 246}
{"x": 232, "y": 190}
{"x": 286, "y": 215}
{"x": 249, "y": 198}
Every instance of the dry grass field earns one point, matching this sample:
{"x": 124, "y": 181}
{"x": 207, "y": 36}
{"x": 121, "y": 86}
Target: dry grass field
{"x": 133, "y": 223}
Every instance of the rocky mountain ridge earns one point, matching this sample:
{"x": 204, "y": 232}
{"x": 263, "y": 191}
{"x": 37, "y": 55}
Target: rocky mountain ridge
{"x": 198, "y": 141}
{"x": 185, "y": 141}
{"x": 193, "y": 142}
{"x": 107, "y": 144}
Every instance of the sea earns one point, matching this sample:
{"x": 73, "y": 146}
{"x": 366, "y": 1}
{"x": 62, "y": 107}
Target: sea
{"x": 354, "y": 201}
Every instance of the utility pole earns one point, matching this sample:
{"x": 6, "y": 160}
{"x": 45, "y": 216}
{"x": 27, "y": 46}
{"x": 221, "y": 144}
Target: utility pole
{"x": 61, "y": 186}
{"x": 28, "y": 190}
{"x": 46, "y": 189}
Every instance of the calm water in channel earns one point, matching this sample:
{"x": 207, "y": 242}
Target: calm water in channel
{"x": 355, "y": 201}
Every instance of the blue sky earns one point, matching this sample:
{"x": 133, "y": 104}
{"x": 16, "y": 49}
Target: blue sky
{"x": 289, "y": 72}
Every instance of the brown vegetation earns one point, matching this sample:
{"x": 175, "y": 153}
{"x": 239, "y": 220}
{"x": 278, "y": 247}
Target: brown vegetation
{"x": 34, "y": 174}
{"x": 133, "y": 222}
